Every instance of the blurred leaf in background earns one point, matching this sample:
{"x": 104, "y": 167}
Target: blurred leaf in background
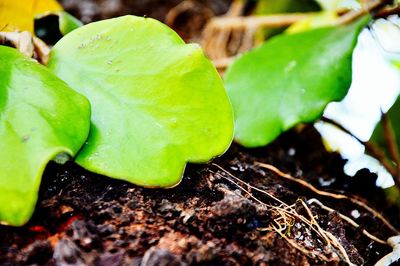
{"x": 19, "y": 15}
{"x": 317, "y": 20}
{"x": 269, "y": 7}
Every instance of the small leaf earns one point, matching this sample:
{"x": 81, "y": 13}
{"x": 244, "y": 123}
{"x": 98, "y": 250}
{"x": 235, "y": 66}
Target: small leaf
{"x": 289, "y": 80}
{"x": 40, "y": 117}
{"x": 67, "y": 22}
{"x": 157, "y": 103}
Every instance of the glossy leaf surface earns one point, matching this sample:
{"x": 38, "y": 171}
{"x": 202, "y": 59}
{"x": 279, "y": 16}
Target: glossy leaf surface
{"x": 289, "y": 80}
{"x": 40, "y": 117}
{"x": 157, "y": 102}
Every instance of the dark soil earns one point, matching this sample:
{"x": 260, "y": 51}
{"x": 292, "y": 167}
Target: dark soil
{"x": 85, "y": 219}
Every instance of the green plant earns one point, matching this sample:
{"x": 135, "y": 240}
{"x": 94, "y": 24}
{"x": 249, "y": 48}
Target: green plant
{"x": 290, "y": 80}
{"x": 40, "y": 117}
{"x": 157, "y": 104}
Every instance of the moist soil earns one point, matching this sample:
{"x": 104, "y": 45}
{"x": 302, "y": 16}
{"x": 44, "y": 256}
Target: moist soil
{"x": 86, "y": 219}
{"x": 219, "y": 214}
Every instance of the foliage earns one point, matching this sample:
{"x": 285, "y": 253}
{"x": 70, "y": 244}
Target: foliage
{"x": 157, "y": 103}
{"x": 289, "y": 80}
{"x": 40, "y": 117}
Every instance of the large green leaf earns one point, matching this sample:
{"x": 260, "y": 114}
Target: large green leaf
{"x": 157, "y": 103}
{"x": 288, "y": 80}
{"x": 40, "y": 117}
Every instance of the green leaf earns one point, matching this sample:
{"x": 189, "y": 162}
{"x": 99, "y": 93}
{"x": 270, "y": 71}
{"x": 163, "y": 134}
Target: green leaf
{"x": 289, "y": 80}
{"x": 40, "y": 117}
{"x": 67, "y": 22}
{"x": 157, "y": 103}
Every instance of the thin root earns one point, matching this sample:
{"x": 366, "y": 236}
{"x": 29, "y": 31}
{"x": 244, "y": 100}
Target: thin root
{"x": 348, "y": 220}
{"x": 328, "y": 194}
{"x": 285, "y": 218}
{"x": 393, "y": 256}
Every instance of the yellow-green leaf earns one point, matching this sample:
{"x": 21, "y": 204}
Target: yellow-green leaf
{"x": 40, "y": 117}
{"x": 157, "y": 102}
